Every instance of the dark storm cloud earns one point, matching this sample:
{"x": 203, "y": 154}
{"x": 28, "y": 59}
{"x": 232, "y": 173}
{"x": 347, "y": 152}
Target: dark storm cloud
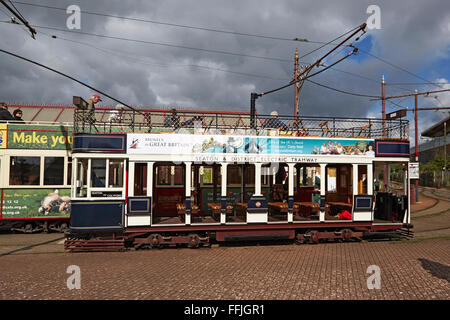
{"x": 412, "y": 36}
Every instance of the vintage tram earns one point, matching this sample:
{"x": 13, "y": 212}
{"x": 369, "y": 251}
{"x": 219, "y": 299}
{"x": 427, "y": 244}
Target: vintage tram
{"x": 35, "y": 166}
{"x": 151, "y": 179}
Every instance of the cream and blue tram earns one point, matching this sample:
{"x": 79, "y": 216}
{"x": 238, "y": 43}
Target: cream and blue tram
{"x": 149, "y": 182}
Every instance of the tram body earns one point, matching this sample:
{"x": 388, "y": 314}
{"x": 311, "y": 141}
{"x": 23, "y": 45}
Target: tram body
{"x": 154, "y": 186}
{"x": 35, "y": 166}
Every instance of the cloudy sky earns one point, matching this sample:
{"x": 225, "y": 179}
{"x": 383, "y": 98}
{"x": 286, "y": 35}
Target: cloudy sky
{"x": 172, "y": 60}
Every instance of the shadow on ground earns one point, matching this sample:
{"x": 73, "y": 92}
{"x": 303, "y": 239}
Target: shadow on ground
{"x": 436, "y": 269}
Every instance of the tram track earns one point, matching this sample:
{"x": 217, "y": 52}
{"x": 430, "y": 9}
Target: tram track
{"x": 432, "y": 221}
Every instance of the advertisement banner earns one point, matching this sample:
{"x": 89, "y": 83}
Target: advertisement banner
{"x": 3, "y": 135}
{"x": 35, "y": 203}
{"x": 54, "y": 137}
{"x": 227, "y": 144}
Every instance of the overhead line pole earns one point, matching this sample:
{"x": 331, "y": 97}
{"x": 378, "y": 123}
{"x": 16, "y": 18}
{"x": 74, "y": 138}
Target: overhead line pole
{"x": 254, "y": 96}
{"x": 416, "y": 109}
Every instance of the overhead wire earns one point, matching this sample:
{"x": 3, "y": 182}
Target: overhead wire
{"x": 233, "y": 33}
{"x": 171, "y": 24}
{"x": 67, "y": 76}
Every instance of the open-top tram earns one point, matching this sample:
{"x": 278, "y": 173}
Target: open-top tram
{"x": 152, "y": 179}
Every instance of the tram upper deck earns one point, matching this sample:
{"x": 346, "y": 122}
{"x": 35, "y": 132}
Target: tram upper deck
{"x": 111, "y": 121}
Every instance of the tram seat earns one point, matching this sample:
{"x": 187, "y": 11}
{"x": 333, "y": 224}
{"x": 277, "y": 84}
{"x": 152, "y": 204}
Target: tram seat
{"x": 241, "y": 209}
{"x": 364, "y": 131}
{"x": 216, "y": 208}
{"x": 181, "y": 209}
{"x": 326, "y": 129}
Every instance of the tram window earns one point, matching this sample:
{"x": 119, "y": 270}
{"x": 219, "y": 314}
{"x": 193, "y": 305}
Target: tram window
{"x": 178, "y": 178}
{"x": 116, "y": 173}
{"x": 81, "y": 177}
{"x": 98, "y": 175}
{"x": 163, "y": 173}
{"x": 54, "y": 170}
{"x": 331, "y": 177}
{"x": 362, "y": 179}
{"x": 24, "y": 170}
{"x": 206, "y": 175}
{"x": 170, "y": 175}
{"x": 234, "y": 175}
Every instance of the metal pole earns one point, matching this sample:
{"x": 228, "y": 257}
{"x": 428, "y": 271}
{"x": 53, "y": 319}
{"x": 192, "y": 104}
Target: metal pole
{"x": 383, "y": 117}
{"x": 383, "y": 106}
{"x": 445, "y": 154}
{"x": 297, "y": 85}
{"x": 416, "y": 154}
{"x": 253, "y": 97}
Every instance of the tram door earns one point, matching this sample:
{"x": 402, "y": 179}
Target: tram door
{"x": 339, "y": 183}
{"x": 169, "y": 190}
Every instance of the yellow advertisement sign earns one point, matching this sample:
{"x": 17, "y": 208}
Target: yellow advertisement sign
{"x": 3, "y": 135}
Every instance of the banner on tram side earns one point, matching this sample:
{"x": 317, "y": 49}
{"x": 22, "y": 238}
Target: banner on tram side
{"x": 54, "y": 137}
{"x": 35, "y": 203}
{"x": 3, "y": 135}
{"x": 207, "y": 144}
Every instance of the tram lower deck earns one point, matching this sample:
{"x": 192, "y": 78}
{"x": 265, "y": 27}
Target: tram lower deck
{"x": 179, "y": 188}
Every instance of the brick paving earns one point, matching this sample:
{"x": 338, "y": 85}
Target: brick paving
{"x": 409, "y": 270}
{"x": 34, "y": 266}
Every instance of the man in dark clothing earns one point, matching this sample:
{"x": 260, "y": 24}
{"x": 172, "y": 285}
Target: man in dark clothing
{"x": 4, "y": 113}
{"x": 88, "y": 115}
{"x": 17, "y": 115}
{"x": 173, "y": 120}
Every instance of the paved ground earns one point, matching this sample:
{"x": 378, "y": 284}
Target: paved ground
{"x": 35, "y": 267}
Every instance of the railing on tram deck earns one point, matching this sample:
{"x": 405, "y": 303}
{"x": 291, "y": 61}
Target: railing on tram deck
{"x": 114, "y": 121}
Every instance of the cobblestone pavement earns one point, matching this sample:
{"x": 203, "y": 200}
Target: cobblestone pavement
{"x": 35, "y": 267}
{"x": 408, "y": 270}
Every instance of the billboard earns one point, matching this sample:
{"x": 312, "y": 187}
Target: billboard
{"x": 35, "y": 203}
{"x": 54, "y": 137}
{"x": 234, "y": 144}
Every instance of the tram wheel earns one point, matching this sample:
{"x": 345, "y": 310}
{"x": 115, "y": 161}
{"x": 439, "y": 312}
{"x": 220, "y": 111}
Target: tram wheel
{"x": 63, "y": 227}
{"x": 28, "y": 228}
{"x": 300, "y": 239}
{"x": 155, "y": 241}
{"x": 193, "y": 240}
{"x": 346, "y": 234}
{"x": 313, "y": 236}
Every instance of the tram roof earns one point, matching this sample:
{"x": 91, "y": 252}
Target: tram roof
{"x": 63, "y": 113}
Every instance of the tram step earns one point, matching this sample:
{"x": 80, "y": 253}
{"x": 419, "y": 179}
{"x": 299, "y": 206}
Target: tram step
{"x": 94, "y": 245}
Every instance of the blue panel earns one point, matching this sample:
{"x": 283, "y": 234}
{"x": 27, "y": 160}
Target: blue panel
{"x": 291, "y": 202}
{"x": 257, "y": 205}
{"x": 322, "y": 203}
{"x": 392, "y": 148}
{"x": 99, "y": 143}
{"x": 97, "y": 215}
{"x": 139, "y": 205}
{"x": 362, "y": 203}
